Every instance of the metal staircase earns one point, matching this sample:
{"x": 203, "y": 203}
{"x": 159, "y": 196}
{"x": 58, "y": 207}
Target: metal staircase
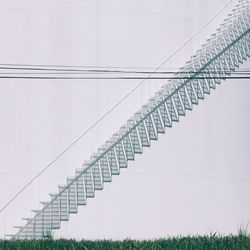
{"x": 219, "y": 56}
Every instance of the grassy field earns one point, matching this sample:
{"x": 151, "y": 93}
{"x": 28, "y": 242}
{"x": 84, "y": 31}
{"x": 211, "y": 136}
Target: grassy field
{"x": 213, "y": 242}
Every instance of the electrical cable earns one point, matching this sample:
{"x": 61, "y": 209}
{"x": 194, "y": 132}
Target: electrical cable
{"x": 66, "y": 72}
{"x": 122, "y": 78}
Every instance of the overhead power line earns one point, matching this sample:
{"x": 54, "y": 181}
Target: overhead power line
{"x": 53, "y": 66}
{"x": 9, "y": 70}
{"x": 121, "y": 78}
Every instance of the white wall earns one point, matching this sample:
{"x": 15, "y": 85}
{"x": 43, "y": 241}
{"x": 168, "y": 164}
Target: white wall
{"x": 195, "y": 179}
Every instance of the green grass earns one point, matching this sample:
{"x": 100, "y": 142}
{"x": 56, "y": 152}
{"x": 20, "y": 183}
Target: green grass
{"x": 213, "y": 242}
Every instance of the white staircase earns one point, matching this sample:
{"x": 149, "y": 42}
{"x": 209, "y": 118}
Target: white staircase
{"x": 219, "y": 56}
